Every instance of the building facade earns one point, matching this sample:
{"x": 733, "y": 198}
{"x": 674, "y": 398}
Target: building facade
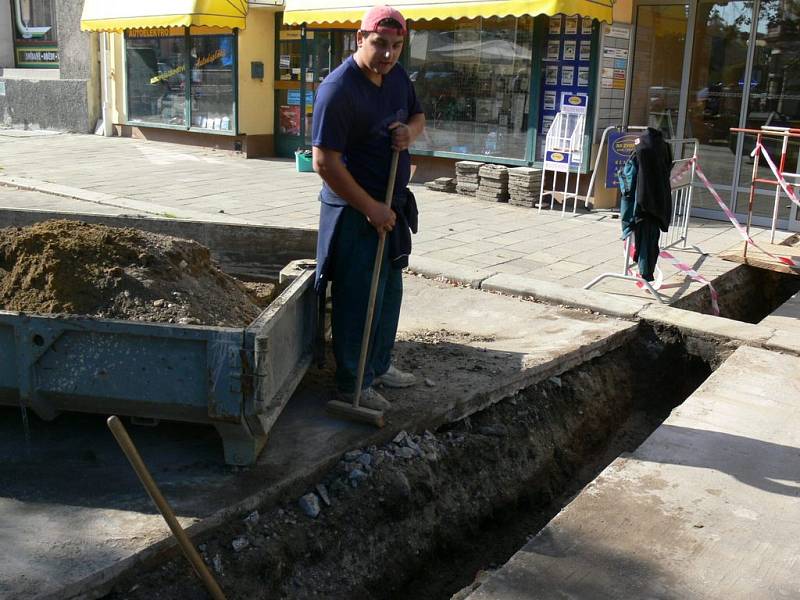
{"x": 703, "y": 67}
{"x": 49, "y": 73}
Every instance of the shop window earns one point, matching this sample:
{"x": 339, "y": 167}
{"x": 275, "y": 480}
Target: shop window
{"x": 658, "y": 66}
{"x": 161, "y": 93}
{"x": 212, "y": 82}
{"x": 35, "y": 34}
{"x": 473, "y": 80}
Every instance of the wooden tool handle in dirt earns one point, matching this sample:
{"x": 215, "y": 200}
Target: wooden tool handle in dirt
{"x": 125, "y": 442}
{"x": 373, "y": 289}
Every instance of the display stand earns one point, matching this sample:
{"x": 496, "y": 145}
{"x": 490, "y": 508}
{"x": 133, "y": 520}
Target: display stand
{"x": 564, "y": 153}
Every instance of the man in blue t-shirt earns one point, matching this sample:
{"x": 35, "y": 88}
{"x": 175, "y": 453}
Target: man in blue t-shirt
{"x": 364, "y": 110}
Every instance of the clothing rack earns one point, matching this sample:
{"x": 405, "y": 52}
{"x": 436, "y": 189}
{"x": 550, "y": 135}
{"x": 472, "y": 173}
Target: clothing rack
{"x": 682, "y": 192}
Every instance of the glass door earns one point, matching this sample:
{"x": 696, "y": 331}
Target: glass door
{"x": 717, "y": 90}
{"x": 658, "y": 66}
{"x": 774, "y": 101}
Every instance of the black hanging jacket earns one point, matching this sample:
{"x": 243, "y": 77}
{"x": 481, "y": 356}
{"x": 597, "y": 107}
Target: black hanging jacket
{"x": 653, "y": 191}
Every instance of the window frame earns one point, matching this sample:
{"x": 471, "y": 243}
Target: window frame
{"x": 19, "y": 44}
{"x": 187, "y": 36}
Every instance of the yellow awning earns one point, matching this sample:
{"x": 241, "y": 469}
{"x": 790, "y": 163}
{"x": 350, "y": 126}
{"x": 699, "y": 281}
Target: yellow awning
{"x": 320, "y": 12}
{"x": 118, "y": 15}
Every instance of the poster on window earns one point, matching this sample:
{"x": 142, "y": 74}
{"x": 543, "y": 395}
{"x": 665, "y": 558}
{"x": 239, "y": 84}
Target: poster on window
{"x": 583, "y": 76}
{"x": 569, "y": 49}
{"x": 571, "y": 26}
{"x": 290, "y": 120}
{"x": 567, "y": 75}
{"x": 549, "y": 100}
{"x": 555, "y": 25}
{"x": 551, "y": 75}
{"x": 553, "y": 49}
{"x": 586, "y": 26}
{"x": 586, "y": 50}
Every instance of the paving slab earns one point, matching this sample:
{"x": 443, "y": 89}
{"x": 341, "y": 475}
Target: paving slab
{"x": 705, "y": 508}
{"x": 548, "y": 291}
{"x": 79, "y": 516}
{"x": 785, "y": 320}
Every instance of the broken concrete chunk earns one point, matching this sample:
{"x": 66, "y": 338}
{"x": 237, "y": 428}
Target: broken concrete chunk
{"x": 364, "y": 459}
{"x": 239, "y": 543}
{"x": 430, "y": 382}
{"x": 352, "y": 455}
{"x": 159, "y": 303}
{"x": 400, "y": 437}
{"x": 357, "y": 476}
{"x": 216, "y": 562}
{"x": 309, "y": 504}
{"x": 252, "y": 519}
{"x": 323, "y": 493}
{"x": 406, "y": 452}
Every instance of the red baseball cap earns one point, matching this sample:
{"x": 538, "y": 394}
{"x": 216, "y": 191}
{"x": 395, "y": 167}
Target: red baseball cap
{"x": 372, "y": 18}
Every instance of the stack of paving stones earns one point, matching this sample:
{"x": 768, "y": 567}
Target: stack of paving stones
{"x": 524, "y": 184}
{"x": 467, "y": 177}
{"x": 493, "y": 185}
{"x": 442, "y": 184}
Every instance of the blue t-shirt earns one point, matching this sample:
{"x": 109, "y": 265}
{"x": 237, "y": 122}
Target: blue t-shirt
{"x": 352, "y": 116}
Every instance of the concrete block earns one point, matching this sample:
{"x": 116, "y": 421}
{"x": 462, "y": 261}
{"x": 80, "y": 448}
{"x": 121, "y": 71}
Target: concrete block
{"x": 718, "y": 327}
{"x": 440, "y": 269}
{"x": 547, "y": 291}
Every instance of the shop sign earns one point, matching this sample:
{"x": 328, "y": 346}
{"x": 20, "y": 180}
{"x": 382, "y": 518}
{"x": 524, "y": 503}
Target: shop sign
{"x": 37, "y": 56}
{"x": 620, "y": 148}
{"x": 557, "y": 161}
{"x": 574, "y": 103}
{"x": 615, "y": 31}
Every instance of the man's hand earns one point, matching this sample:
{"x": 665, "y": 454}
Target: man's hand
{"x": 381, "y": 217}
{"x": 401, "y": 136}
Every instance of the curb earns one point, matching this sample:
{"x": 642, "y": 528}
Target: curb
{"x": 140, "y": 207}
{"x": 525, "y": 287}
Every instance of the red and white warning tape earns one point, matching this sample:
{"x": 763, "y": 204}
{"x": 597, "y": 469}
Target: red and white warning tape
{"x": 728, "y": 213}
{"x": 687, "y": 270}
{"x": 787, "y": 187}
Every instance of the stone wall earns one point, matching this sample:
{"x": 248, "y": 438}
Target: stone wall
{"x": 69, "y": 101}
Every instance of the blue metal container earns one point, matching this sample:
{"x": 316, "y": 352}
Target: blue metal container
{"x": 237, "y": 379}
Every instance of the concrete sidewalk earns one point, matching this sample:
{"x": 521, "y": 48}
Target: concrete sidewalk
{"x": 456, "y": 232}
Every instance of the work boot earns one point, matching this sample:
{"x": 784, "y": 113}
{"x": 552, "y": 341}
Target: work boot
{"x": 369, "y": 399}
{"x": 395, "y": 378}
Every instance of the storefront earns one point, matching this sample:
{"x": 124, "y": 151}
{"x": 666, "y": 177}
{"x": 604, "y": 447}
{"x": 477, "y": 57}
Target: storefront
{"x": 48, "y": 68}
{"x": 704, "y": 66}
{"x": 195, "y": 76}
{"x": 490, "y": 75}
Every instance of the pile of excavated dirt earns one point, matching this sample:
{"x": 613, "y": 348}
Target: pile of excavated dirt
{"x": 72, "y": 267}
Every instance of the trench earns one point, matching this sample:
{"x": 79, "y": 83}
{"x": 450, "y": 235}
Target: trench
{"x": 746, "y": 294}
{"x": 424, "y": 526}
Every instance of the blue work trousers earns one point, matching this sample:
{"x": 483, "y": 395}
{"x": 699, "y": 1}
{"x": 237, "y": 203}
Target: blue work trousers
{"x": 353, "y": 258}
